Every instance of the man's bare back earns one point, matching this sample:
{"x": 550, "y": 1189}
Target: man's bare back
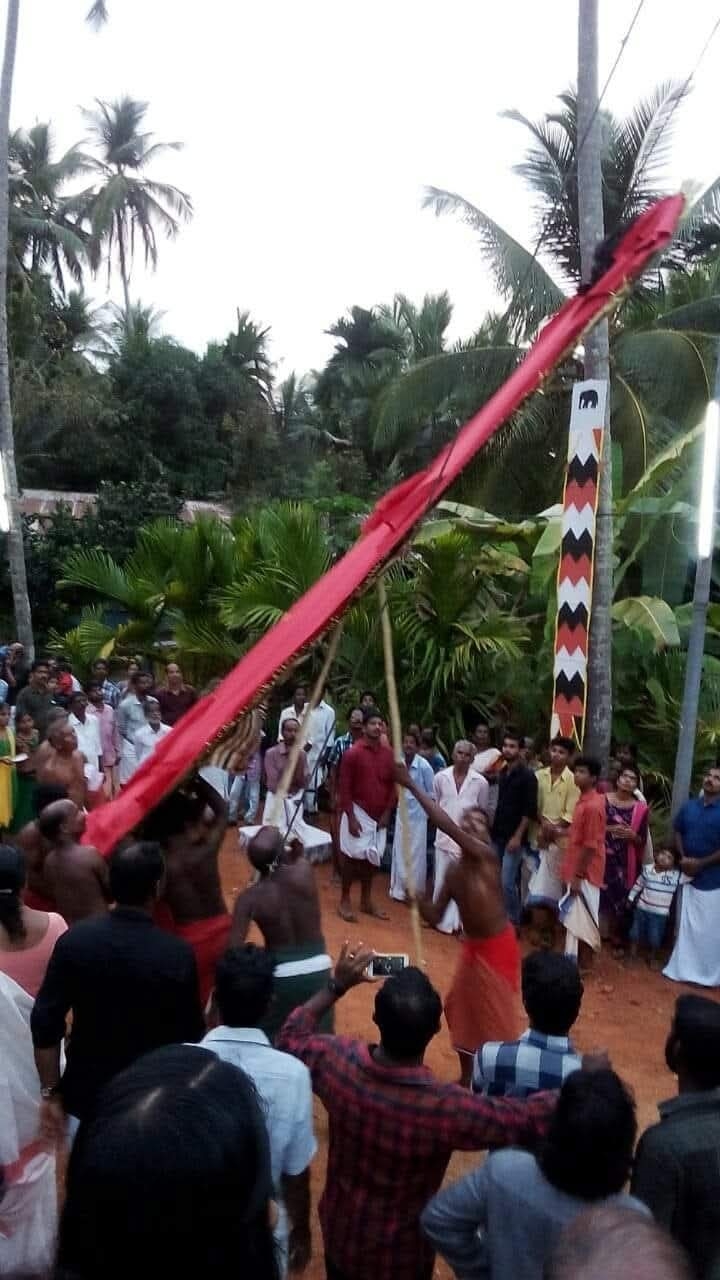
{"x": 76, "y": 877}
{"x": 74, "y": 874}
{"x": 190, "y": 829}
{"x": 283, "y": 904}
{"x": 35, "y": 850}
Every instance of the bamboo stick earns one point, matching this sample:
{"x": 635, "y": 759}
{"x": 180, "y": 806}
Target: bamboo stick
{"x": 396, "y": 732}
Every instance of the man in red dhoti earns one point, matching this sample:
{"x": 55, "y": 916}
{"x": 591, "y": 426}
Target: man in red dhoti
{"x": 483, "y": 1001}
{"x": 190, "y": 826}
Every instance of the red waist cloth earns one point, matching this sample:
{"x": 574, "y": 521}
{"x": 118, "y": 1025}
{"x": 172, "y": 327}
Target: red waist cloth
{"x": 38, "y": 901}
{"x": 482, "y": 1003}
{"x": 501, "y": 952}
{"x": 208, "y": 939}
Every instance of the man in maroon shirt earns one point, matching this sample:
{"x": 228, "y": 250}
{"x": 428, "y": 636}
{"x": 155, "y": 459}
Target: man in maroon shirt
{"x": 393, "y": 1126}
{"x": 175, "y": 697}
{"x": 367, "y": 798}
{"x": 276, "y": 759}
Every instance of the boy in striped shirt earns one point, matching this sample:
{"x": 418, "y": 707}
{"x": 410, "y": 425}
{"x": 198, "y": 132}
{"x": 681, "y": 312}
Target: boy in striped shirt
{"x": 653, "y": 892}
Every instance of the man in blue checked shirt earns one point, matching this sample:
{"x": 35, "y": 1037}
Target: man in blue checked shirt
{"x": 544, "y": 1056}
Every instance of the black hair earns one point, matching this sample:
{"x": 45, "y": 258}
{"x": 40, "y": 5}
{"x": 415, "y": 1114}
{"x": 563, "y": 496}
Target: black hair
{"x": 49, "y": 824}
{"x": 301, "y": 685}
{"x": 103, "y": 660}
{"x": 428, "y": 737}
{"x": 412, "y": 731}
{"x": 696, "y": 1030}
{"x": 352, "y": 711}
{"x": 244, "y": 985}
{"x": 408, "y": 1010}
{"x": 372, "y": 713}
{"x": 514, "y": 735}
{"x": 172, "y": 816}
{"x": 47, "y": 793}
{"x": 591, "y": 763}
{"x": 12, "y": 883}
{"x": 367, "y": 693}
{"x": 170, "y": 1175}
{"x": 630, "y": 768}
{"x": 93, "y": 684}
{"x": 40, "y": 662}
{"x": 135, "y": 873}
{"x": 566, "y": 743}
{"x": 552, "y": 992}
{"x": 589, "y": 1145}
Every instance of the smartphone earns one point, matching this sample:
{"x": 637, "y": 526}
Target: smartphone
{"x": 385, "y": 963}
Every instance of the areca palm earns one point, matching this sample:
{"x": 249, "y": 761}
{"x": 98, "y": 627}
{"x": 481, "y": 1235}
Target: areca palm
{"x": 126, "y": 205}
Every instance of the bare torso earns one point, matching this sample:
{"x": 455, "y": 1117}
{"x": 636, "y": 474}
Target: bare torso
{"x": 285, "y": 906}
{"x": 62, "y": 770}
{"x": 76, "y": 877}
{"x": 192, "y": 884}
{"x": 35, "y": 849}
{"x": 477, "y": 889}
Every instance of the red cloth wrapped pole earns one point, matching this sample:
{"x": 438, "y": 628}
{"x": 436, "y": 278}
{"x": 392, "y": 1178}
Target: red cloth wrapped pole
{"x": 382, "y": 535}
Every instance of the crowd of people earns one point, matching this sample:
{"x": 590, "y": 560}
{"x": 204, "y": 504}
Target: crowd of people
{"x": 178, "y": 1062}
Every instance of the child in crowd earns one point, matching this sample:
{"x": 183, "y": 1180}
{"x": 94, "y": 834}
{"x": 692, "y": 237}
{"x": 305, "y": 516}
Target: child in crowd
{"x": 653, "y": 893}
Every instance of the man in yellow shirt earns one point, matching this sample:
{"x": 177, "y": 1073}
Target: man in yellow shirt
{"x": 557, "y": 797}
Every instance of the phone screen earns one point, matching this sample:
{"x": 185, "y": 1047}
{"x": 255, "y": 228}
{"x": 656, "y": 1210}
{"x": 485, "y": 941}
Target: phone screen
{"x": 386, "y": 964}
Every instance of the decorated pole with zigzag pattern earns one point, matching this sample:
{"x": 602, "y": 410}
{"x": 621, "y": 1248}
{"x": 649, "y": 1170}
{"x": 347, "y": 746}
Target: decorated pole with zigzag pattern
{"x": 577, "y": 553}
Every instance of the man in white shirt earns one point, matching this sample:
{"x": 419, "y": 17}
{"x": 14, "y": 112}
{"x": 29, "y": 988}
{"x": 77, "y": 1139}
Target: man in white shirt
{"x": 243, "y": 992}
{"x": 321, "y": 737}
{"x": 296, "y": 710}
{"x": 456, "y": 790}
{"x": 87, "y": 732}
{"x": 147, "y": 738}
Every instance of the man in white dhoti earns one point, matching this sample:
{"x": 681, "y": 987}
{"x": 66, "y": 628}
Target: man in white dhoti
{"x": 130, "y": 720}
{"x": 696, "y": 954}
{"x": 456, "y": 790}
{"x": 422, "y": 775}
{"x": 87, "y": 732}
{"x": 289, "y": 819}
{"x": 583, "y": 865}
{"x": 28, "y": 1207}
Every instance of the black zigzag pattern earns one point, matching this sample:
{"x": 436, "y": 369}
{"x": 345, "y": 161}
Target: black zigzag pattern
{"x": 576, "y": 547}
{"x": 581, "y": 472}
{"x": 574, "y": 687}
{"x": 573, "y": 618}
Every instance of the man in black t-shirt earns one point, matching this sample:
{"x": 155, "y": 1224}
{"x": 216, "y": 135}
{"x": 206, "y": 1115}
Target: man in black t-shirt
{"x": 516, "y": 809}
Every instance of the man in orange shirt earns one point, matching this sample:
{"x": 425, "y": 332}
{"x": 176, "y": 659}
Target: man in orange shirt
{"x": 583, "y": 866}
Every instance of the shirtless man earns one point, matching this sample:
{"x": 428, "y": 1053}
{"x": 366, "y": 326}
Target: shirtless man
{"x": 482, "y": 1003}
{"x": 62, "y": 764}
{"x": 190, "y": 826}
{"x": 36, "y": 850}
{"x": 75, "y": 875}
{"x": 284, "y": 904}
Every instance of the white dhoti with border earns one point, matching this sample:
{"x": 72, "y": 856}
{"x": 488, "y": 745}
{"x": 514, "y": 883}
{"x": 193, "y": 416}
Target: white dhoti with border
{"x": 580, "y": 914}
{"x": 369, "y": 846}
{"x": 545, "y": 887}
{"x": 451, "y": 922}
{"x": 316, "y": 842}
{"x": 696, "y": 954}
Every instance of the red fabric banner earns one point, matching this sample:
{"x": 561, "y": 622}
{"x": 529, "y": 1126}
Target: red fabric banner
{"x": 383, "y": 533}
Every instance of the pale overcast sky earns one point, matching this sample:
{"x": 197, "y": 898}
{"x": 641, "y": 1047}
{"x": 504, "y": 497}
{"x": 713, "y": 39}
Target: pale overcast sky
{"x": 311, "y": 126}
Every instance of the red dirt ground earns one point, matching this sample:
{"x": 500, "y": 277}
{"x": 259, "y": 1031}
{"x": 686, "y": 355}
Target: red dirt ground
{"x": 625, "y": 1010}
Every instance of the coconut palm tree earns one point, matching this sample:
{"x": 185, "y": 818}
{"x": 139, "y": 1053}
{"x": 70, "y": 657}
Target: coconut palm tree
{"x": 16, "y": 554}
{"x": 45, "y": 224}
{"x": 126, "y": 205}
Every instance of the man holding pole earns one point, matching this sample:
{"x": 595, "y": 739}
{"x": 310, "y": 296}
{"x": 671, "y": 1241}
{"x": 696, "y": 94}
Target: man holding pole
{"x": 482, "y": 1003}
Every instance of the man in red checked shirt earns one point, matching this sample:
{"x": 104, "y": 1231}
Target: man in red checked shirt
{"x": 367, "y": 799}
{"x": 393, "y": 1125}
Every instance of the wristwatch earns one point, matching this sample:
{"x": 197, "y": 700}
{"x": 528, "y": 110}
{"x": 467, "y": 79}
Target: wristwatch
{"x": 49, "y": 1091}
{"x": 335, "y": 988}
